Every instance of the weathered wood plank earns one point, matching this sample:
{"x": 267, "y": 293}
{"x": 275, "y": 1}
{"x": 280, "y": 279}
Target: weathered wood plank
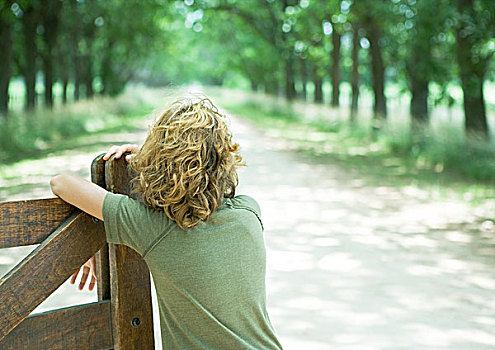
{"x": 102, "y": 265}
{"x": 98, "y": 170}
{"x": 47, "y": 267}
{"x": 118, "y": 176}
{"x": 130, "y": 280}
{"x": 31, "y": 221}
{"x": 102, "y": 273}
{"x": 78, "y": 327}
{"x": 132, "y": 313}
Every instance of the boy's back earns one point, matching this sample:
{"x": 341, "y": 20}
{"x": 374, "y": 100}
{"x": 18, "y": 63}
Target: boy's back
{"x": 210, "y": 280}
{"x": 203, "y": 245}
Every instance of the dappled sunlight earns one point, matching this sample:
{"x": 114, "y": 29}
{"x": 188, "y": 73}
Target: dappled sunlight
{"x": 339, "y": 262}
{"x": 416, "y": 241}
{"x": 436, "y": 337}
{"x": 485, "y": 282}
{"x": 458, "y": 237}
{"x": 374, "y": 240}
{"x": 291, "y": 261}
{"x": 422, "y": 270}
{"x": 325, "y": 242}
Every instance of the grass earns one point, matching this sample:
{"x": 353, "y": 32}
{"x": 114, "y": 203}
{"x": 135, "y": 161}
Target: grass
{"x": 437, "y": 157}
{"x": 26, "y": 135}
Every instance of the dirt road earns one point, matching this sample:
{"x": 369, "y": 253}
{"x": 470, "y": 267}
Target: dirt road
{"x": 350, "y": 265}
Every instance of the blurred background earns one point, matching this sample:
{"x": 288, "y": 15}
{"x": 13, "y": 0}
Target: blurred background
{"x": 417, "y": 75}
{"x": 372, "y": 121}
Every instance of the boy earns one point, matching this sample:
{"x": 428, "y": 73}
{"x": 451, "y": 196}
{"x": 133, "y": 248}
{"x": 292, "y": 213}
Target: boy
{"x": 203, "y": 245}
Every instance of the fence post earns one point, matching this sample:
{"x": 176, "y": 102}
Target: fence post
{"x": 102, "y": 262}
{"x": 130, "y": 285}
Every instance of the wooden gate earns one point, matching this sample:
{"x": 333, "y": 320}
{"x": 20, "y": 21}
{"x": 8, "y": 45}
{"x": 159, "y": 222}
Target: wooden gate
{"x": 121, "y": 319}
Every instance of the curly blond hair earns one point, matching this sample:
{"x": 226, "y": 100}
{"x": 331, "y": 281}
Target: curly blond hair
{"x": 188, "y": 162}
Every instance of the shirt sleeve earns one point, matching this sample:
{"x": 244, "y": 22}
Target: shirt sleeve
{"x": 129, "y": 222}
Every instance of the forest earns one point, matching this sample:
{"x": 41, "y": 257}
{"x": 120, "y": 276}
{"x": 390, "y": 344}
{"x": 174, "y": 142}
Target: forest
{"x": 367, "y": 128}
{"x": 59, "y": 51}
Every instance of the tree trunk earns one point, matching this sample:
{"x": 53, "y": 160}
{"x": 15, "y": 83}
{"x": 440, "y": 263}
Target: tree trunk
{"x": 89, "y": 33}
{"x": 318, "y": 82}
{"x": 77, "y": 85}
{"x": 378, "y": 74}
{"x": 254, "y": 86}
{"x": 304, "y": 79}
{"x": 472, "y": 72}
{"x": 355, "y": 72}
{"x": 419, "y": 99}
{"x": 474, "y": 107}
{"x": 5, "y": 57}
{"x": 290, "y": 88}
{"x": 48, "y": 74}
{"x": 65, "y": 84}
{"x": 335, "y": 68}
{"x": 271, "y": 85}
{"x": 113, "y": 82}
{"x": 29, "y": 25}
{"x": 88, "y": 79}
{"x": 418, "y": 68}
{"x": 63, "y": 64}
{"x": 74, "y": 40}
{"x": 106, "y": 70}
{"x": 51, "y": 16}
{"x": 89, "y": 86}
{"x": 77, "y": 71}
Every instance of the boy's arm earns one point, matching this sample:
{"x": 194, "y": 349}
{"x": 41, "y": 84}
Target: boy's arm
{"x": 79, "y": 192}
{"x": 88, "y": 197}
{"x": 84, "y": 194}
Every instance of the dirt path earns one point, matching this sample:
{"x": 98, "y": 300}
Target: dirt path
{"x": 366, "y": 267}
{"x": 350, "y": 266}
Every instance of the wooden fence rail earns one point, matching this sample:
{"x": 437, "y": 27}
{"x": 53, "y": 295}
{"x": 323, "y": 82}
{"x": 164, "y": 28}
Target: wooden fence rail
{"x": 67, "y": 238}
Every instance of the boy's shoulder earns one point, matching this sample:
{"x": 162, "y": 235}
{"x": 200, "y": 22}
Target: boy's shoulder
{"x": 246, "y": 202}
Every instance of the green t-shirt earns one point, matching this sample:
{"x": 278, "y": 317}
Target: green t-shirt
{"x": 210, "y": 280}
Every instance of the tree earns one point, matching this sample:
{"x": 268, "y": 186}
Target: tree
{"x": 50, "y": 19}
{"x": 6, "y": 48}
{"x": 63, "y": 50}
{"x": 127, "y": 35}
{"x": 475, "y": 29}
{"x": 336, "y": 18}
{"x": 309, "y": 44}
{"x": 273, "y": 21}
{"x": 335, "y": 67}
{"x": 304, "y": 77}
{"x": 355, "y": 71}
{"x": 419, "y": 60}
{"x": 418, "y": 48}
{"x": 373, "y": 17}
{"x": 30, "y": 20}
{"x": 377, "y": 68}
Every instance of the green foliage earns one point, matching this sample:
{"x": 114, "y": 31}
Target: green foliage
{"x": 259, "y": 45}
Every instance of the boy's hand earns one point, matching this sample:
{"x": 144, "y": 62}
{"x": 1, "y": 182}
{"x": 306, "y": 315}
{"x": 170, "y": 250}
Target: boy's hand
{"x": 120, "y": 150}
{"x": 88, "y": 267}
